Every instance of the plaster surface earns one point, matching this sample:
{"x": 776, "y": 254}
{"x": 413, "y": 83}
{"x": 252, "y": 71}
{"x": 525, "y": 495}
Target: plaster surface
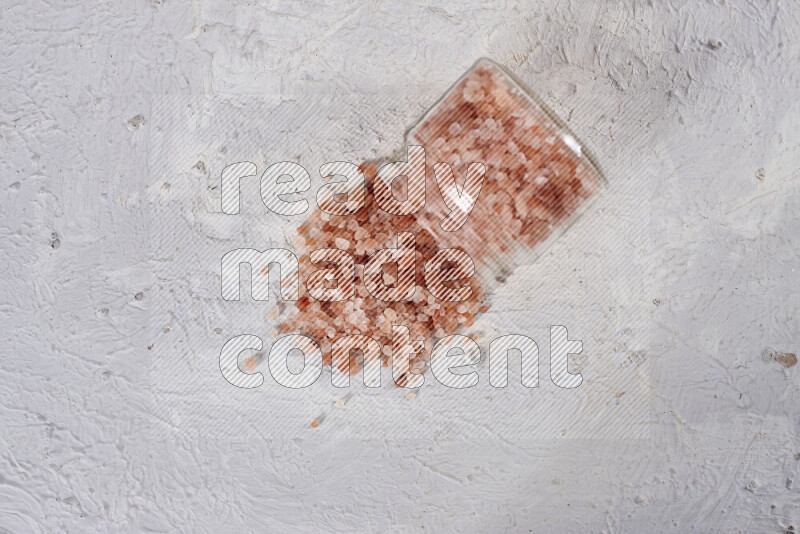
{"x": 116, "y": 119}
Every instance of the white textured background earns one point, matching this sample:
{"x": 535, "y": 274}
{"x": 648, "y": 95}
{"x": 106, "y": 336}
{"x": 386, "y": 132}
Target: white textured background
{"x": 115, "y": 121}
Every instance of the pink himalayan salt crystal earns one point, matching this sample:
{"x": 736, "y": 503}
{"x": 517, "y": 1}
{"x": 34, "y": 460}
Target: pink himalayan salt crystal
{"x": 536, "y": 179}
